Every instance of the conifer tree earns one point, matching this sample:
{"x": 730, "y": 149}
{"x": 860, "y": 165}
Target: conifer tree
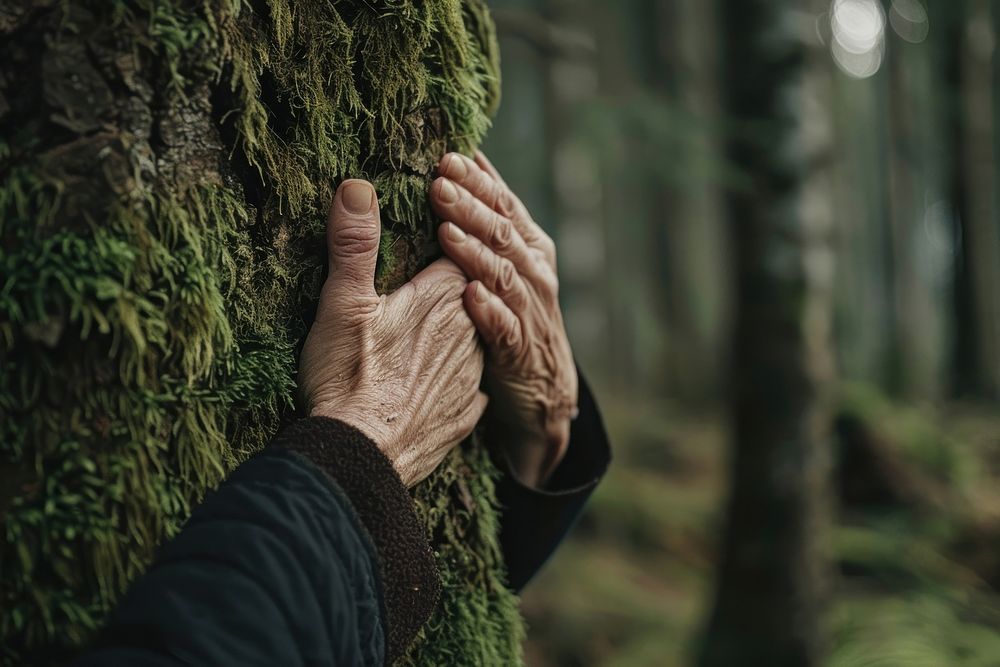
{"x": 165, "y": 171}
{"x": 772, "y": 578}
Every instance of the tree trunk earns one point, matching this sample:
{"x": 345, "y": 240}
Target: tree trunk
{"x": 690, "y": 266}
{"x": 918, "y": 311}
{"x": 772, "y": 578}
{"x": 970, "y": 72}
{"x": 863, "y": 293}
{"x": 165, "y": 170}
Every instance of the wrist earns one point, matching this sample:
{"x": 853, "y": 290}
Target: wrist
{"x": 534, "y": 454}
{"x": 352, "y": 417}
{"x": 335, "y": 410}
{"x": 386, "y": 440}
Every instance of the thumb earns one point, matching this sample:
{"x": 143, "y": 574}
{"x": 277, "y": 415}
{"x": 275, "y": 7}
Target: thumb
{"x": 352, "y": 236}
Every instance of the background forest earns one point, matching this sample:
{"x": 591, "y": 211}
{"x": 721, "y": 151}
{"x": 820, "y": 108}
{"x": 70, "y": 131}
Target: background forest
{"x": 786, "y": 210}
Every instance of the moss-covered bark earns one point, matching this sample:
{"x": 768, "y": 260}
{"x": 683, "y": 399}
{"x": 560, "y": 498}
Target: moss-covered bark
{"x": 165, "y": 166}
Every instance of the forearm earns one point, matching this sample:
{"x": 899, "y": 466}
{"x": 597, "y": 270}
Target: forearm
{"x": 409, "y": 580}
{"x": 288, "y": 562}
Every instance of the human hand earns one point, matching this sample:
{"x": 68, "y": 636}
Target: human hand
{"x": 404, "y": 369}
{"x": 513, "y": 301}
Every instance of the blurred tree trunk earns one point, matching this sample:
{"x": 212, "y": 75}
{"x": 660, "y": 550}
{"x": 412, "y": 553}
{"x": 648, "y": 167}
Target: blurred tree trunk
{"x": 864, "y": 292}
{"x": 626, "y": 203}
{"x": 773, "y": 576}
{"x": 905, "y": 355}
{"x": 916, "y": 318}
{"x": 689, "y": 261}
{"x": 977, "y": 284}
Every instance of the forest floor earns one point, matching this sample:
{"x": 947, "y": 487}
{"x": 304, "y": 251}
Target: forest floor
{"x": 916, "y": 546}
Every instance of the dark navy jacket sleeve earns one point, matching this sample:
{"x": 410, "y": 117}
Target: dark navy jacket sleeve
{"x": 290, "y": 562}
{"x": 311, "y": 553}
{"x": 534, "y": 521}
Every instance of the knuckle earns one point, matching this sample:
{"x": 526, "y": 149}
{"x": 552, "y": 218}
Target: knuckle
{"x": 508, "y": 333}
{"x": 512, "y": 337}
{"x": 550, "y": 283}
{"x": 485, "y": 260}
{"x": 355, "y": 239}
{"x": 453, "y": 285}
{"x": 501, "y": 234}
{"x": 506, "y": 275}
{"x": 494, "y": 191}
{"x": 355, "y": 306}
{"x": 505, "y": 202}
{"x": 540, "y": 259}
{"x": 547, "y": 245}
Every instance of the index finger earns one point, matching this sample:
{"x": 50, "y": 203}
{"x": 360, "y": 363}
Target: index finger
{"x": 484, "y": 182}
{"x": 539, "y": 240}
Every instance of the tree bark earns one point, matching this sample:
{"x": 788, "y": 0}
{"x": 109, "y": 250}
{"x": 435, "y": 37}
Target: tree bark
{"x": 165, "y": 171}
{"x": 773, "y": 576}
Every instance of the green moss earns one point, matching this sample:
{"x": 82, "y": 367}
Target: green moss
{"x": 158, "y": 254}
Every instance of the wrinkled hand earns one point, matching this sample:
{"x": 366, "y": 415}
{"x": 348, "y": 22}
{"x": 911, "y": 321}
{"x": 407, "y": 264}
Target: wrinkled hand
{"x": 513, "y": 301}
{"x": 403, "y": 369}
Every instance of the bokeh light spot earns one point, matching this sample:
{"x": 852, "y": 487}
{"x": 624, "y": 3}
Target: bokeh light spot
{"x": 858, "y": 28}
{"x": 909, "y": 19}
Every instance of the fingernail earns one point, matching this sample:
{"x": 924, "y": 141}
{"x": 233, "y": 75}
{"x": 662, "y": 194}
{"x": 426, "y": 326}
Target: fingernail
{"x": 357, "y": 197}
{"x": 448, "y": 193}
{"x": 455, "y": 233}
{"x": 456, "y": 165}
{"x": 481, "y": 295}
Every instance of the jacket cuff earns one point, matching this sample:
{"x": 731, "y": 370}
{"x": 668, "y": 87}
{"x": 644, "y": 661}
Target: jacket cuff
{"x": 410, "y": 583}
{"x": 535, "y": 520}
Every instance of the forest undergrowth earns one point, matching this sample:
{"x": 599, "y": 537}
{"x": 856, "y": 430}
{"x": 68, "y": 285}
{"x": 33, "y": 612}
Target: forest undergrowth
{"x": 916, "y": 547}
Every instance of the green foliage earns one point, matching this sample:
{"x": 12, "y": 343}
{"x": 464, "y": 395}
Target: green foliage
{"x": 916, "y": 628}
{"x": 921, "y": 441}
{"x": 162, "y": 206}
{"x": 909, "y": 592}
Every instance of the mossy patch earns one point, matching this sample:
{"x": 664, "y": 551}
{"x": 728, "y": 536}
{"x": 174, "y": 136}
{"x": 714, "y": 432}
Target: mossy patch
{"x": 162, "y": 205}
